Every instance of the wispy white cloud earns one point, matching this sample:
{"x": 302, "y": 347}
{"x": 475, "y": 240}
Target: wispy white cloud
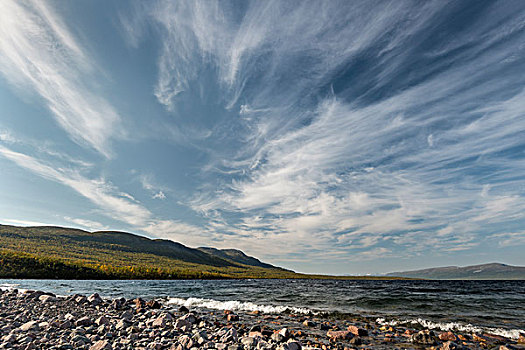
{"x": 87, "y": 224}
{"x": 24, "y": 222}
{"x": 112, "y": 202}
{"x": 509, "y": 239}
{"x": 148, "y": 183}
{"x": 39, "y": 54}
{"x": 159, "y": 195}
{"x": 347, "y": 171}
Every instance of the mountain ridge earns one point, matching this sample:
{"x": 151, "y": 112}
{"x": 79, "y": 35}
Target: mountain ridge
{"x": 488, "y": 271}
{"x": 122, "y": 253}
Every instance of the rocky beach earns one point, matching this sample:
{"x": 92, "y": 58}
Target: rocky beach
{"x": 42, "y": 320}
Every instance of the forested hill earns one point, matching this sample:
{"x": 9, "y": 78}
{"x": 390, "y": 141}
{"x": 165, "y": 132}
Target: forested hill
{"x": 58, "y": 252}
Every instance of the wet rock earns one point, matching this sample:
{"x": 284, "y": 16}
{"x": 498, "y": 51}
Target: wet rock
{"x": 521, "y": 339}
{"x": 183, "y": 309}
{"x": 358, "y": 331}
{"x": 425, "y": 337}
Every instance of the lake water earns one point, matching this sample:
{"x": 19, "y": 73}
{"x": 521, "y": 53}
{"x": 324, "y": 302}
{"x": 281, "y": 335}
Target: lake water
{"x": 494, "y": 306}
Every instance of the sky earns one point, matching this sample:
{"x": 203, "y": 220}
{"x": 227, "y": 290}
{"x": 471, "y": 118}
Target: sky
{"x": 338, "y": 137}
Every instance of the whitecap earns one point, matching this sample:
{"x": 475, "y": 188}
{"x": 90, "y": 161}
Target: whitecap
{"x": 236, "y": 305}
{"x": 455, "y": 326}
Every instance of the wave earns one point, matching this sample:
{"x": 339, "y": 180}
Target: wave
{"x": 236, "y": 305}
{"x": 451, "y": 326}
{"x": 8, "y": 286}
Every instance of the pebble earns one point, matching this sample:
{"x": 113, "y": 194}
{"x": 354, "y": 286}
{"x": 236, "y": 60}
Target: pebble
{"x": 39, "y": 320}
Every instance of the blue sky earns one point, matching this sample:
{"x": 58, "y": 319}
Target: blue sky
{"x": 344, "y": 137}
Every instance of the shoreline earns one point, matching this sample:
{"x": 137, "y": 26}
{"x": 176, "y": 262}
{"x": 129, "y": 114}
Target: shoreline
{"x": 43, "y": 320}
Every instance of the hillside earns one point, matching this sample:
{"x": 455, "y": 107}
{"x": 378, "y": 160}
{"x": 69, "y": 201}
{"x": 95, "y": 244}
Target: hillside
{"x": 493, "y": 271}
{"x": 235, "y": 255}
{"x": 58, "y": 252}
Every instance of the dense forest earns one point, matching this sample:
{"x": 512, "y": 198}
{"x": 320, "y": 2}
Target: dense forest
{"x": 66, "y": 253}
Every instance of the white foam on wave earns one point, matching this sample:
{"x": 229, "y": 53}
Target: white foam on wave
{"x": 236, "y": 305}
{"x": 11, "y": 286}
{"x": 455, "y": 326}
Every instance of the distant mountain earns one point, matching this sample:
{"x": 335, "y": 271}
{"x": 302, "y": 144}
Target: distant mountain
{"x": 493, "y": 271}
{"x": 59, "y": 252}
{"x": 236, "y": 256}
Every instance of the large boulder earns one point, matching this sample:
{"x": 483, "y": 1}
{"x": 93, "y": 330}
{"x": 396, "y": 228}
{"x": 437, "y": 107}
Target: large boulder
{"x": 95, "y": 299}
{"x": 46, "y": 298}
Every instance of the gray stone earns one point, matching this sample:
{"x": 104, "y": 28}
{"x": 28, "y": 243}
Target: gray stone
{"x": 30, "y": 326}
{"x": 47, "y": 298}
{"x": 101, "y": 345}
{"x": 102, "y": 320}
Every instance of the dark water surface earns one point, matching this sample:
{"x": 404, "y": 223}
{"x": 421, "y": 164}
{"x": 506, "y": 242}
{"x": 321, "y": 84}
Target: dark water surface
{"x": 435, "y": 304}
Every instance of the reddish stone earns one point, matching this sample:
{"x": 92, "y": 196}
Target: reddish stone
{"x": 139, "y": 303}
{"x": 447, "y": 336}
{"x": 339, "y": 335}
{"x": 358, "y": 331}
{"x": 153, "y": 304}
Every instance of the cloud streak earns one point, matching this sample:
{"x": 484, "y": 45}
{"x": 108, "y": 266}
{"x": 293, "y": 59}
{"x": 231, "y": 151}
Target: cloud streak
{"x": 367, "y": 128}
{"x": 112, "y": 202}
{"x": 38, "y": 53}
